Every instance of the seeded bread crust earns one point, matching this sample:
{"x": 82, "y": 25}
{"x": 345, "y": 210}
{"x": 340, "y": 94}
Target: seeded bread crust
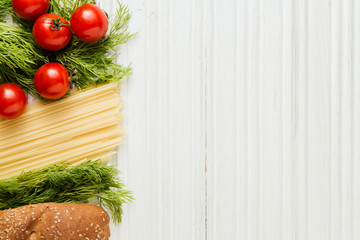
{"x": 55, "y": 221}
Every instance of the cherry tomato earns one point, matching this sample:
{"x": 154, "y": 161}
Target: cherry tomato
{"x": 89, "y": 23}
{"x": 52, "y": 80}
{"x": 30, "y": 9}
{"x": 51, "y": 32}
{"x": 12, "y": 101}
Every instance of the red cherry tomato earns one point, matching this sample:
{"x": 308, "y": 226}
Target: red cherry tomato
{"x": 89, "y": 23}
{"x": 12, "y": 101}
{"x": 30, "y": 9}
{"x": 52, "y": 81}
{"x": 51, "y": 32}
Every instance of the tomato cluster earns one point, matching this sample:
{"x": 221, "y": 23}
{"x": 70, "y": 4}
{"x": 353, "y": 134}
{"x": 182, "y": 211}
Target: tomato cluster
{"x": 53, "y": 33}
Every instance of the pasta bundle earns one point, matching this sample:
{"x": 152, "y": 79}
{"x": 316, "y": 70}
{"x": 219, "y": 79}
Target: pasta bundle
{"x": 83, "y": 126}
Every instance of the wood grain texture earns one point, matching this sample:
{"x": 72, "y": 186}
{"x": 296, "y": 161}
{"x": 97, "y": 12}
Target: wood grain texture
{"x": 242, "y": 120}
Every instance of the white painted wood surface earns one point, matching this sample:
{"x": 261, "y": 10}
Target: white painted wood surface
{"x": 243, "y": 120}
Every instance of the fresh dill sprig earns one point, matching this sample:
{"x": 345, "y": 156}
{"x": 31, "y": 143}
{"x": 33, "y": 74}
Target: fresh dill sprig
{"x": 96, "y": 62}
{"x": 19, "y": 56}
{"x": 88, "y": 63}
{"x": 89, "y": 182}
{"x": 65, "y": 8}
{"x": 5, "y": 8}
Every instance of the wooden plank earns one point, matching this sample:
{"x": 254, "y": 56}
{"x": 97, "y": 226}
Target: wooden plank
{"x": 264, "y": 94}
{"x": 163, "y": 157}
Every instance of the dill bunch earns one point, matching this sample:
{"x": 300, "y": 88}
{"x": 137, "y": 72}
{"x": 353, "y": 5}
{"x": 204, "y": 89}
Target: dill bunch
{"x": 19, "y": 56}
{"x": 88, "y": 63}
{"x": 89, "y": 182}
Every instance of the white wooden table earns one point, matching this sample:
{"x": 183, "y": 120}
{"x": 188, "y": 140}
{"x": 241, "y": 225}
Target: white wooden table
{"x": 243, "y": 120}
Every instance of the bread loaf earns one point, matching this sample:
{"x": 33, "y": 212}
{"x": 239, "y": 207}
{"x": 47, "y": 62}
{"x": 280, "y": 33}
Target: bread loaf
{"x": 50, "y": 221}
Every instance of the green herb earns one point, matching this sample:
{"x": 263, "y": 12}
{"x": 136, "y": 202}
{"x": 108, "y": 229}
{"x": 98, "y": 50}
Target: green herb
{"x": 88, "y": 63}
{"x": 5, "y": 7}
{"x": 96, "y": 62}
{"x": 65, "y": 8}
{"x": 89, "y": 182}
{"x": 19, "y": 56}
